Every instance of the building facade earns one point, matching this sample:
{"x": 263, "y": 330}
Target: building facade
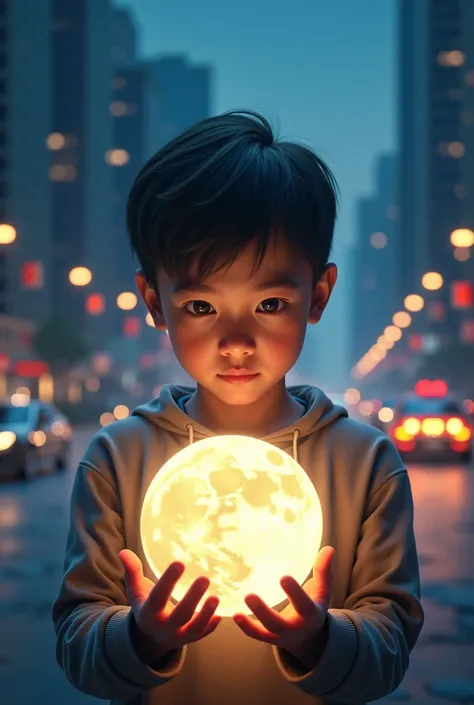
{"x": 374, "y": 274}
{"x": 186, "y": 94}
{"x": 436, "y": 174}
{"x": 25, "y": 187}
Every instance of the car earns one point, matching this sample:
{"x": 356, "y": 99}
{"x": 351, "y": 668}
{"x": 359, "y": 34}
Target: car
{"x": 34, "y": 438}
{"x": 429, "y": 427}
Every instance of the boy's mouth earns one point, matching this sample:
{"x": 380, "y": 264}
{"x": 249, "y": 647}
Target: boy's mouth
{"x": 238, "y": 376}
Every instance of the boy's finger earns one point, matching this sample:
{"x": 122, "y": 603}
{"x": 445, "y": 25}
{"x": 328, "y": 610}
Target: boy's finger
{"x": 161, "y": 593}
{"x": 185, "y": 609}
{"x": 323, "y": 561}
{"x": 205, "y": 622}
{"x": 322, "y": 575}
{"x": 133, "y": 574}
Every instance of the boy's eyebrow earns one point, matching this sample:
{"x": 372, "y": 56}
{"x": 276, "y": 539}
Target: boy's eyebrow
{"x": 275, "y": 282}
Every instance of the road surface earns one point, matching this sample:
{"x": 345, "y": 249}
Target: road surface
{"x": 33, "y": 522}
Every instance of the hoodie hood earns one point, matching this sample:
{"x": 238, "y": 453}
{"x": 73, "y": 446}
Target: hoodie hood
{"x": 165, "y": 412}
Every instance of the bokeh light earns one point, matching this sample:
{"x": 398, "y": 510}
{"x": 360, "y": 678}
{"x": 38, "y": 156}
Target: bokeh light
{"x": 386, "y": 414}
{"x": 106, "y": 418}
{"x": 7, "y": 234}
{"x": 462, "y": 237}
{"x": 351, "y": 396}
{"x": 432, "y": 281}
{"x": 149, "y": 320}
{"x": 414, "y": 303}
{"x": 402, "y": 319}
{"x": 127, "y": 301}
{"x": 378, "y": 240}
{"x": 121, "y": 412}
{"x": 392, "y": 333}
{"x": 117, "y": 157}
{"x": 462, "y": 254}
{"x": 55, "y": 141}
{"x": 80, "y": 276}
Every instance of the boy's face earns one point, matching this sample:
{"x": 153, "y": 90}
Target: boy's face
{"x": 237, "y": 333}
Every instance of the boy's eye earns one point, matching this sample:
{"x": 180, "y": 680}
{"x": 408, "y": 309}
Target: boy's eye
{"x": 271, "y": 306}
{"x": 199, "y": 308}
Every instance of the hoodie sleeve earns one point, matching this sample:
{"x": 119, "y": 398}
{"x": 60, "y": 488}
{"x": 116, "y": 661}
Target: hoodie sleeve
{"x": 91, "y": 615}
{"x": 370, "y": 639}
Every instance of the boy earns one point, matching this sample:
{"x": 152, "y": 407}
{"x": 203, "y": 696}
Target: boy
{"x": 233, "y": 232}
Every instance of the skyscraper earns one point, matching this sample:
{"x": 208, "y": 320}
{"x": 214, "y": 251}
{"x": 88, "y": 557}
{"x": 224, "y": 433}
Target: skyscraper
{"x": 81, "y": 136}
{"x": 436, "y": 175}
{"x": 373, "y": 299}
{"x": 185, "y": 91}
{"x": 25, "y": 188}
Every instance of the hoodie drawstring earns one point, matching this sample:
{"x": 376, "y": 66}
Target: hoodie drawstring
{"x": 190, "y": 430}
{"x": 296, "y": 435}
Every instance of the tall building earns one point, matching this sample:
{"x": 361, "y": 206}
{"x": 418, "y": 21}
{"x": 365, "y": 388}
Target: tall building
{"x": 80, "y": 139}
{"x": 135, "y": 108}
{"x": 186, "y": 94}
{"x": 436, "y": 175}
{"x": 124, "y": 38}
{"x": 374, "y": 273}
{"x": 25, "y": 188}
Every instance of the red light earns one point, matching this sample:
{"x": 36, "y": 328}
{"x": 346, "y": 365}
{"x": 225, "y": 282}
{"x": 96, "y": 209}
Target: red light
{"x": 5, "y": 361}
{"x": 95, "y": 304}
{"x": 32, "y": 275}
{"x": 30, "y": 368}
{"x": 415, "y": 342}
{"x": 431, "y": 388}
{"x": 461, "y": 295}
{"x": 131, "y": 326}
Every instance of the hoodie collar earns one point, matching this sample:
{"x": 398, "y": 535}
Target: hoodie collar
{"x": 165, "y": 412}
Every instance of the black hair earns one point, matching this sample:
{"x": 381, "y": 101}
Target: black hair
{"x": 223, "y": 183}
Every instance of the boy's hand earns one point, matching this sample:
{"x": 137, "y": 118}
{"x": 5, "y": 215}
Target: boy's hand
{"x": 299, "y": 627}
{"x": 167, "y": 625}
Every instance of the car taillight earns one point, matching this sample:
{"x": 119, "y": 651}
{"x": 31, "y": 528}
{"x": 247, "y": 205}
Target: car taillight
{"x": 401, "y": 434}
{"x": 454, "y": 426}
{"x": 458, "y": 429}
{"x": 432, "y": 427}
{"x": 411, "y": 426}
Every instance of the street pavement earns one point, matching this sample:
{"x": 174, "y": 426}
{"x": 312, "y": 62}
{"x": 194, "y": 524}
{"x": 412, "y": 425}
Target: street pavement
{"x": 33, "y": 524}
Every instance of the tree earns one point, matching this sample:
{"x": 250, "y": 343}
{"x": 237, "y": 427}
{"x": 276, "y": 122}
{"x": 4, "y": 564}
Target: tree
{"x": 60, "y": 344}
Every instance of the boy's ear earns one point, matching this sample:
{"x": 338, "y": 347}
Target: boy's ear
{"x": 151, "y": 300}
{"x": 322, "y": 293}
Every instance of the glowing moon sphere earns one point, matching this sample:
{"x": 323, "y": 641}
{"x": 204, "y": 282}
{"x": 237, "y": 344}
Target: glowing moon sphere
{"x": 237, "y": 510}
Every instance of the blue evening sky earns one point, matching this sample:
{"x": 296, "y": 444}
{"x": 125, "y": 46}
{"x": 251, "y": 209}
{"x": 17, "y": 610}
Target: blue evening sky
{"x": 324, "y": 68}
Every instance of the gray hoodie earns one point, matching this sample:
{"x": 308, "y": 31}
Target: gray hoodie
{"x": 375, "y": 615}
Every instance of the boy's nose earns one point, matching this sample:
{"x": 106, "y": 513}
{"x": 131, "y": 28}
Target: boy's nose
{"x": 237, "y": 345}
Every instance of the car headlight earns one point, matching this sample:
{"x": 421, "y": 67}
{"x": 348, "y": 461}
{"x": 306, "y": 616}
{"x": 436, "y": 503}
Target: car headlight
{"x": 7, "y": 439}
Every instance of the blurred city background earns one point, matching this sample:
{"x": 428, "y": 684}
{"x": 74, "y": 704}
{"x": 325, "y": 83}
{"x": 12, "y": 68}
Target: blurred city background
{"x": 384, "y": 91}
